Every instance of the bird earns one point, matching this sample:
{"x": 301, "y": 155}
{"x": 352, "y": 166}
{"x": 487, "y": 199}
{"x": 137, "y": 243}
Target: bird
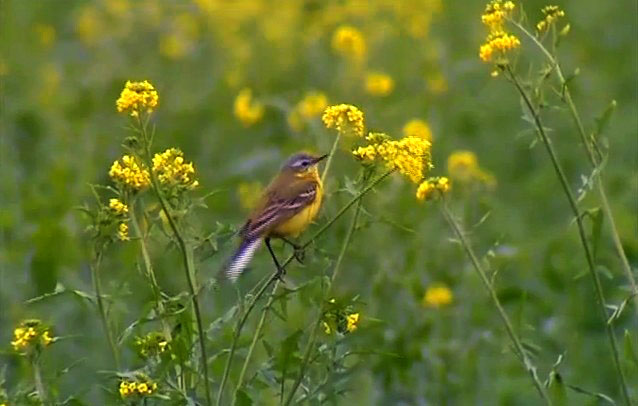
{"x": 288, "y": 205}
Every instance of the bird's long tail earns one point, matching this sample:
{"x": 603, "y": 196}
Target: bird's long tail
{"x": 241, "y": 258}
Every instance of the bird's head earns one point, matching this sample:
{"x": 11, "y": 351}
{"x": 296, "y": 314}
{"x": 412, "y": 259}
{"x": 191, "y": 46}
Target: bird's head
{"x": 303, "y": 164}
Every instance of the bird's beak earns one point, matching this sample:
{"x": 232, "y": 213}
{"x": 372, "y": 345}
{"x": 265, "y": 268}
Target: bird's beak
{"x": 321, "y": 158}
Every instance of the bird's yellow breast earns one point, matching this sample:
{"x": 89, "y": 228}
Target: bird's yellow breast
{"x": 300, "y": 221}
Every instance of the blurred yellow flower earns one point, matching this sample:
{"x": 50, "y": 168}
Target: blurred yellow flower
{"x": 313, "y": 104}
{"x": 88, "y": 25}
{"x": 495, "y": 13}
{"x": 349, "y": 42}
{"x": 249, "y": 194}
{"x": 141, "y": 386}
{"x": 552, "y": 14}
{"x": 463, "y": 166}
{"x": 173, "y": 170}
{"x": 346, "y": 118}
{"x": 379, "y": 84}
{"x": 417, "y": 128}
{"x": 128, "y": 173}
{"x": 247, "y": 110}
{"x": 151, "y": 345}
{"x": 45, "y": 33}
{"x": 173, "y": 46}
{"x": 137, "y": 96}
{"x": 353, "y": 321}
{"x": 118, "y": 207}
{"x": 122, "y": 232}
{"x": 433, "y": 188}
{"x": 437, "y": 295}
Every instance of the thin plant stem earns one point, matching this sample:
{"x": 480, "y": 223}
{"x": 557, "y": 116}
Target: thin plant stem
{"x": 326, "y": 168}
{"x": 37, "y": 378}
{"x": 253, "y": 343}
{"x": 560, "y": 173}
{"x": 518, "y": 346}
{"x": 187, "y": 257}
{"x": 589, "y": 144}
{"x": 315, "y": 328}
{"x": 97, "y": 286}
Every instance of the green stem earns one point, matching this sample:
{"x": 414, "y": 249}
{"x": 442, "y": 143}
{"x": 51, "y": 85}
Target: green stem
{"x": 253, "y": 343}
{"x": 315, "y": 329}
{"x": 581, "y": 230}
{"x": 95, "y": 273}
{"x": 329, "y": 160}
{"x": 589, "y": 145}
{"x": 518, "y": 346}
{"x": 187, "y": 258}
{"x": 37, "y": 378}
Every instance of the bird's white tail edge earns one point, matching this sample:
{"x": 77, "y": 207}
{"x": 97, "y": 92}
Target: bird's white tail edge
{"x": 241, "y": 258}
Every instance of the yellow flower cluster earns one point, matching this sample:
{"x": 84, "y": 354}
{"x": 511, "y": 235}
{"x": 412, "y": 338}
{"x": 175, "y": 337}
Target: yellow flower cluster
{"x": 247, "y": 110}
{"x": 432, "y": 188}
{"x": 152, "y": 344}
{"x": 552, "y": 13}
{"x": 353, "y": 321}
{"x": 127, "y": 172}
{"x": 118, "y": 207}
{"x": 349, "y": 42}
{"x": 345, "y": 118}
{"x": 437, "y": 295}
{"x": 379, "y": 84}
{"x": 409, "y": 155}
{"x": 31, "y": 332}
{"x": 142, "y": 387}
{"x": 122, "y": 232}
{"x": 172, "y": 169}
{"x": 417, "y": 128}
{"x": 498, "y": 40}
{"x": 312, "y": 105}
{"x": 495, "y": 13}
{"x": 137, "y": 96}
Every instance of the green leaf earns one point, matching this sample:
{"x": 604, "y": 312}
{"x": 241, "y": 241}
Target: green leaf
{"x": 62, "y": 290}
{"x": 556, "y": 386}
{"x": 631, "y": 352}
{"x": 603, "y": 120}
{"x": 597, "y": 218}
{"x": 243, "y": 399}
{"x": 597, "y": 395}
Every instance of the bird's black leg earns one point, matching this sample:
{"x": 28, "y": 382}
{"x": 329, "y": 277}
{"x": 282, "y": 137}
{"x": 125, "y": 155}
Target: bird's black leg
{"x": 299, "y": 253}
{"x": 280, "y": 271}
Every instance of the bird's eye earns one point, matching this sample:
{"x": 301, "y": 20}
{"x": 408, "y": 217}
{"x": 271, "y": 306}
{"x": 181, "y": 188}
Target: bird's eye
{"x": 305, "y": 163}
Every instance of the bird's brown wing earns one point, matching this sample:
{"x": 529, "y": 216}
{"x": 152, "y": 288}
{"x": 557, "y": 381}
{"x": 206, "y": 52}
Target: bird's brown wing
{"x": 280, "y": 204}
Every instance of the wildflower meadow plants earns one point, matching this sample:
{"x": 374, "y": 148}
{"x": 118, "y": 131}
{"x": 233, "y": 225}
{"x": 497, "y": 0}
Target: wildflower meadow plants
{"x": 461, "y": 255}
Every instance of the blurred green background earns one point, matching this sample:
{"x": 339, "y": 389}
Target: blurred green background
{"x": 64, "y": 63}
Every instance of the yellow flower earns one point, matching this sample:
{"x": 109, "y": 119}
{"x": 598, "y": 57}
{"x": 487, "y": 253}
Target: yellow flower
{"x": 124, "y": 390}
{"x": 432, "y": 188}
{"x": 129, "y": 173}
{"x": 495, "y": 13}
{"x": 137, "y": 96}
{"x": 246, "y": 109}
{"x": 313, "y": 104}
{"x": 345, "y": 118}
{"x": 249, "y": 194}
{"x": 353, "y": 320}
{"x": 122, "y": 232}
{"x": 417, "y": 128}
{"x": 151, "y": 345}
{"x": 143, "y": 388}
{"x": 29, "y": 334}
{"x": 172, "y": 169}
{"x": 462, "y": 164}
{"x": 409, "y": 155}
{"x": 552, "y": 14}
{"x": 498, "y": 41}
{"x": 437, "y": 295}
{"x": 379, "y": 84}
{"x": 118, "y": 207}
{"x": 349, "y": 42}
{"x": 367, "y": 153}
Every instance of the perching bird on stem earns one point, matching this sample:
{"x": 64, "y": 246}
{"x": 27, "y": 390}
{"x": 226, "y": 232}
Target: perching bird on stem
{"x": 287, "y": 207}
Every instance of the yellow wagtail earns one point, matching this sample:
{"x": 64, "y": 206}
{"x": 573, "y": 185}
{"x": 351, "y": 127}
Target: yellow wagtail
{"x": 287, "y": 207}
